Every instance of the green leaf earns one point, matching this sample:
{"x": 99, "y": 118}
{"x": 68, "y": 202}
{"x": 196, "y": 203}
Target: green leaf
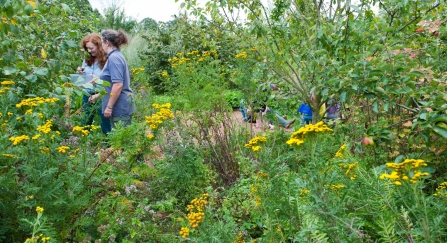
{"x": 72, "y": 44}
{"x": 369, "y": 95}
{"x": 386, "y": 106}
{"x": 66, "y": 8}
{"x": 41, "y": 71}
{"x": 375, "y": 106}
{"x": 415, "y": 73}
{"x": 9, "y": 70}
{"x": 440, "y": 130}
{"x": 102, "y": 82}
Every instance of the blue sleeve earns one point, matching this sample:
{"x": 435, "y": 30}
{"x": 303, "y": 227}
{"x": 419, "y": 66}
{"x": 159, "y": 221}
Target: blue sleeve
{"x": 116, "y": 68}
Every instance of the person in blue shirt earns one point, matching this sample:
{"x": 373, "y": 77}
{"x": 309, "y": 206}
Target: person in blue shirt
{"x": 92, "y": 65}
{"x": 118, "y": 104}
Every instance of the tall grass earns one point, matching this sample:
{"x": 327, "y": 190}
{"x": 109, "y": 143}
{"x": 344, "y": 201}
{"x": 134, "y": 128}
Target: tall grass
{"x": 136, "y": 44}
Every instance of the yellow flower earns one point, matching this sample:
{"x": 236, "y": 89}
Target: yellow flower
{"x": 39, "y": 209}
{"x": 7, "y": 82}
{"x": 150, "y": 136}
{"x": 298, "y": 136}
{"x": 9, "y": 155}
{"x": 82, "y": 130}
{"x": 46, "y": 128}
{"x": 32, "y": 3}
{"x": 184, "y": 232}
{"x": 63, "y": 149}
{"x": 339, "y": 153}
{"x": 19, "y": 139}
{"x": 45, "y": 239}
{"x": 254, "y": 143}
{"x": 241, "y": 55}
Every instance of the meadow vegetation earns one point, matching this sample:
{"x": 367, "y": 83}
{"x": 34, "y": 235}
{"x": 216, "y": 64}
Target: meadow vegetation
{"x": 184, "y": 171}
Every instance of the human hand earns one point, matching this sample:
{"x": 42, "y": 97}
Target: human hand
{"x": 80, "y": 70}
{"x": 108, "y": 112}
{"x": 92, "y": 99}
{"x": 93, "y": 79}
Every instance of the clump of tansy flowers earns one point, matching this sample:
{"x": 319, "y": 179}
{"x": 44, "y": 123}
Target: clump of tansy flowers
{"x": 253, "y": 144}
{"x": 349, "y": 169}
{"x": 408, "y": 170}
{"x": 297, "y": 137}
{"x": 195, "y": 213}
{"x": 340, "y": 152}
{"x": 17, "y": 140}
{"x": 85, "y": 130}
{"x": 35, "y": 101}
{"x": 441, "y": 191}
{"x": 164, "y": 113}
{"x": 195, "y": 209}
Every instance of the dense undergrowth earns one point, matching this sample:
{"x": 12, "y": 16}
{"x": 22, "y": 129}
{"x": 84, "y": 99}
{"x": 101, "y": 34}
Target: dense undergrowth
{"x": 184, "y": 171}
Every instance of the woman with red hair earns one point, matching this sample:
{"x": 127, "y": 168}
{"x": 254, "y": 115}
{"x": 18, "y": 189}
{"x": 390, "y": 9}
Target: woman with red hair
{"x": 92, "y": 65}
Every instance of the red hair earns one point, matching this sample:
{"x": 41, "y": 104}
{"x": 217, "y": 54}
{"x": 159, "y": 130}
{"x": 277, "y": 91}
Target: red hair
{"x": 96, "y": 40}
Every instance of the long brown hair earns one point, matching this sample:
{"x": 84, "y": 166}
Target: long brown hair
{"x": 96, "y": 40}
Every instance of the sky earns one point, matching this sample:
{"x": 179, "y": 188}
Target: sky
{"x": 159, "y": 10}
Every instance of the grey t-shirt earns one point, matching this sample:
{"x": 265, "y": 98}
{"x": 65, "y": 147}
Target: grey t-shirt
{"x": 117, "y": 71}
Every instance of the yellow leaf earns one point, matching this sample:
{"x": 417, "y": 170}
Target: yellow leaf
{"x": 43, "y": 53}
{"x": 33, "y": 4}
{"x": 14, "y": 22}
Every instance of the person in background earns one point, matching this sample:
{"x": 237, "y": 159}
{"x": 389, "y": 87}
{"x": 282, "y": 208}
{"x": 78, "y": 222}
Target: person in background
{"x": 118, "y": 104}
{"x": 263, "y": 109}
{"x": 92, "y": 65}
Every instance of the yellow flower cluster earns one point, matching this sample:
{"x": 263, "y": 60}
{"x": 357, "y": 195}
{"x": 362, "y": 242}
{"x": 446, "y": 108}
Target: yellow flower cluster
{"x": 241, "y": 55}
{"x": 136, "y": 71}
{"x": 253, "y": 193}
{"x": 164, "y": 73}
{"x": 36, "y": 101}
{"x": 175, "y": 61}
{"x": 239, "y": 238}
{"x": 193, "y": 53}
{"x": 45, "y": 128}
{"x": 9, "y": 155}
{"x": 162, "y": 115}
{"x": 262, "y": 175}
{"x": 337, "y": 187}
{"x": 36, "y": 239}
{"x": 339, "y": 153}
{"x": 403, "y": 171}
{"x": 298, "y": 136}
{"x": 45, "y": 150}
{"x": 184, "y": 232}
{"x": 19, "y": 139}
{"x": 304, "y": 193}
{"x": 441, "y": 190}
{"x": 254, "y": 143}
{"x": 349, "y": 169}
{"x": 7, "y": 82}
{"x": 82, "y": 130}
{"x": 195, "y": 209}
{"x": 63, "y": 149}
{"x": 179, "y": 58}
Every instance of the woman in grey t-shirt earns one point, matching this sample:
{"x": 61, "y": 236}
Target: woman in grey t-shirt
{"x": 118, "y": 104}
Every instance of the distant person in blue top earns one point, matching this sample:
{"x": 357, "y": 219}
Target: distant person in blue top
{"x": 92, "y": 65}
{"x": 118, "y": 105}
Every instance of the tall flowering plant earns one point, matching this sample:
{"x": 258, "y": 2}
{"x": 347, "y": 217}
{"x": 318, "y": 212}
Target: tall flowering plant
{"x": 309, "y": 133}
